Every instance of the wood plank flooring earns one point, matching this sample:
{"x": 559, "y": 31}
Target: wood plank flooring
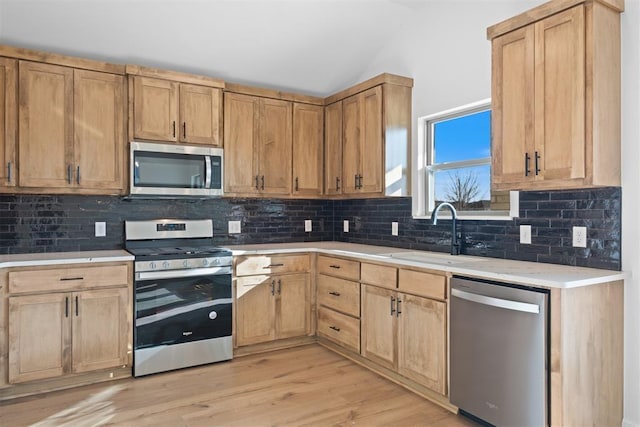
{"x": 303, "y": 386}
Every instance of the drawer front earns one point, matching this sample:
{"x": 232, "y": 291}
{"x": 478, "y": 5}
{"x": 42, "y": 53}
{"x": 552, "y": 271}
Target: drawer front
{"x": 343, "y": 268}
{"x": 69, "y": 279}
{"x": 271, "y": 264}
{"x": 340, "y": 328}
{"x": 424, "y": 284}
{"x": 379, "y": 275}
{"x": 339, "y": 294}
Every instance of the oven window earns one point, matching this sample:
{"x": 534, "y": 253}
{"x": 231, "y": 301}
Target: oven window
{"x": 169, "y": 170}
{"x": 173, "y": 311}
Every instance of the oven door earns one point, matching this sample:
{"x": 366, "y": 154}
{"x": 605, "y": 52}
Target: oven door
{"x": 182, "y": 319}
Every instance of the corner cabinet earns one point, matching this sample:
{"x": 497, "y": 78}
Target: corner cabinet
{"x": 64, "y": 322}
{"x": 556, "y": 98}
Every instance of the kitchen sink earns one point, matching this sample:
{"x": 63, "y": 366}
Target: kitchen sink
{"x": 432, "y": 257}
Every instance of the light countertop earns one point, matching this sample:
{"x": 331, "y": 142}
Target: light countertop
{"x": 509, "y": 271}
{"x": 57, "y": 258}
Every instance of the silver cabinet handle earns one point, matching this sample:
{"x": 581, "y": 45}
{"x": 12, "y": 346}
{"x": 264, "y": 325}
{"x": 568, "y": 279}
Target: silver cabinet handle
{"x": 496, "y": 302}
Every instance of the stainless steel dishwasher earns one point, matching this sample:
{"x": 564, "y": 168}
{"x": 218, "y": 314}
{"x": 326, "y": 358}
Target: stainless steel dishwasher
{"x": 499, "y": 354}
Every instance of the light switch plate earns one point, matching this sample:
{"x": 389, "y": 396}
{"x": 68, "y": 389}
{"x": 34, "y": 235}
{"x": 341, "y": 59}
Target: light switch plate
{"x": 101, "y": 229}
{"x": 394, "y": 228}
{"x": 307, "y": 225}
{"x": 579, "y": 237}
{"x": 234, "y": 227}
{"x": 345, "y": 225}
{"x": 525, "y": 234}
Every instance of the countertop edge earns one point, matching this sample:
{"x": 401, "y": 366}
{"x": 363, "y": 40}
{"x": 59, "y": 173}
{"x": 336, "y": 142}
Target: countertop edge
{"x": 64, "y": 258}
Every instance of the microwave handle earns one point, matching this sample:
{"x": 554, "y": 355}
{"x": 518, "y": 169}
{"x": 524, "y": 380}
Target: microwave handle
{"x": 207, "y": 182}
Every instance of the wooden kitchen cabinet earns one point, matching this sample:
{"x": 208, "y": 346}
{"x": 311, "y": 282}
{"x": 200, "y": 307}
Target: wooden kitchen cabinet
{"x": 556, "y": 99}
{"x": 308, "y": 144}
{"x": 272, "y": 298}
{"x": 68, "y": 320}
{"x": 167, "y": 110}
{"x": 71, "y": 129}
{"x": 333, "y": 149}
{"x": 8, "y": 121}
{"x": 258, "y": 145}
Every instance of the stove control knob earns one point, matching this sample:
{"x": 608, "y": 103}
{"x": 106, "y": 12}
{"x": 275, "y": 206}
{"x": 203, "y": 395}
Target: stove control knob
{"x": 185, "y": 263}
{"x": 216, "y": 261}
{"x": 166, "y": 264}
{"x": 205, "y": 262}
{"x": 153, "y": 265}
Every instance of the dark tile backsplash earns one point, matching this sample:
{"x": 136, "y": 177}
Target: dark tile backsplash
{"x": 49, "y": 223}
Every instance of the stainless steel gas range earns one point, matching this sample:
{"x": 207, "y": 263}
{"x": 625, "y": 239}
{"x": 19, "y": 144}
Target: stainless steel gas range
{"x": 182, "y": 295}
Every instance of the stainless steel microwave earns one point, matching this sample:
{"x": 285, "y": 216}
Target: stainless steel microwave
{"x": 158, "y": 169}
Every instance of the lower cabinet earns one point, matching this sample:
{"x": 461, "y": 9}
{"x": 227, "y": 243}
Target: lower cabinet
{"x": 272, "y": 306}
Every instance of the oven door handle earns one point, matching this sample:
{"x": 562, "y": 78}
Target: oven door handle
{"x": 191, "y": 272}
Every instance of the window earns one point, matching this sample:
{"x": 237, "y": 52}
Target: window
{"x": 455, "y": 164}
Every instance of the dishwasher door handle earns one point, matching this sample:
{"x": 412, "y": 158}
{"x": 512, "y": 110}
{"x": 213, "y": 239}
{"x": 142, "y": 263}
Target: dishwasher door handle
{"x": 496, "y": 302}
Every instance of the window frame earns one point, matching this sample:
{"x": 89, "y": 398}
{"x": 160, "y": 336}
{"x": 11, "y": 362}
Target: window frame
{"x": 423, "y": 185}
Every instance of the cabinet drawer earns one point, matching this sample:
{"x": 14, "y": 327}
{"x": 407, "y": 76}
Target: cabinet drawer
{"x": 423, "y": 284}
{"x": 339, "y": 267}
{"x": 340, "y": 328}
{"x": 339, "y": 294}
{"x": 270, "y": 264}
{"x": 379, "y": 275}
{"x": 68, "y": 279}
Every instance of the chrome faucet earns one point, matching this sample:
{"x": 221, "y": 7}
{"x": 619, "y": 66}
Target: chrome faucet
{"x": 455, "y": 246}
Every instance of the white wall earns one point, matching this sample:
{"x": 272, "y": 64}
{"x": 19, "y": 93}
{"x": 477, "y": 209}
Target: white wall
{"x": 444, "y": 48}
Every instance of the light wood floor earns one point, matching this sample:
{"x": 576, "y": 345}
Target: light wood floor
{"x": 307, "y": 385}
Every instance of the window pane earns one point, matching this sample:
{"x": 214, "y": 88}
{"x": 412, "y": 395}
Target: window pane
{"x": 462, "y": 138}
{"x": 465, "y": 188}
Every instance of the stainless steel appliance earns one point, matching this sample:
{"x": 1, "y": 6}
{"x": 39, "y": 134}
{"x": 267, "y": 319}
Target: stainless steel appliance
{"x": 182, "y": 295}
{"x": 175, "y": 170}
{"x": 499, "y": 356}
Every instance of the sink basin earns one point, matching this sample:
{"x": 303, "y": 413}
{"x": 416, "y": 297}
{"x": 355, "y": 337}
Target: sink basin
{"x": 432, "y": 257}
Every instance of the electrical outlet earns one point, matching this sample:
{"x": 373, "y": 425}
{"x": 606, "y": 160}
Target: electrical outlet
{"x": 345, "y": 225}
{"x": 394, "y": 228}
{"x": 525, "y": 234}
{"x": 579, "y": 237}
{"x": 234, "y": 227}
{"x": 308, "y": 227}
{"x": 101, "y": 229}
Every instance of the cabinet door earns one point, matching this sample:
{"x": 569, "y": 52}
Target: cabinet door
{"x": 512, "y": 107}
{"x": 200, "y": 114}
{"x": 45, "y": 125}
{"x": 39, "y": 336}
{"x": 560, "y": 95}
{"x": 351, "y": 147}
{"x": 308, "y": 145}
{"x": 99, "y": 328}
{"x": 422, "y": 341}
{"x": 333, "y": 148}
{"x": 293, "y": 311}
{"x": 378, "y": 323}
{"x": 99, "y": 130}
{"x": 274, "y": 148}
{"x": 255, "y": 309}
{"x": 8, "y": 120}
{"x": 155, "y": 109}
{"x": 371, "y": 166}
{"x": 241, "y": 118}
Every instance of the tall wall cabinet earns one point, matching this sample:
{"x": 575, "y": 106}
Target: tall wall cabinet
{"x": 556, "y": 97}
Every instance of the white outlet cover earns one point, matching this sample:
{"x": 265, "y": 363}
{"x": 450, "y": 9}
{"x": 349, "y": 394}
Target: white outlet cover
{"x": 525, "y": 234}
{"x": 101, "y": 229}
{"x": 579, "y": 237}
{"x": 345, "y": 225}
{"x": 308, "y": 227}
{"x": 394, "y": 228}
{"x": 234, "y": 227}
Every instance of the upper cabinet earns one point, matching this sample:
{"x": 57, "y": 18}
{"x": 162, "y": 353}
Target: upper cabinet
{"x": 308, "y": 137}
{"x": 169, "y": 107}
{"x": 367, "y": 138}
{"x": 71, "y": 129}
{"x": 556, "y": 97}
{"x": 8, "y": 120}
